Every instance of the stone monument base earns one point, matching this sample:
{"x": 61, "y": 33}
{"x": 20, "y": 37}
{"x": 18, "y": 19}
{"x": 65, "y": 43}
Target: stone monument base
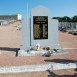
{"x": 31, "y": 53}
{"x": 41, "y": 52}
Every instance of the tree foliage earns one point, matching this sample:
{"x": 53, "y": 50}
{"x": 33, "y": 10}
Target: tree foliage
{"x": 66, "y": 19}
{"x": 74, "y": 19}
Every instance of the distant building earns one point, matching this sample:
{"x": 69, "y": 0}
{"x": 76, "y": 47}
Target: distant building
{"x": 7, "y": 19}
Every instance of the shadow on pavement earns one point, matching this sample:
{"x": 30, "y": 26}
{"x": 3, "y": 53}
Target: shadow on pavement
{"x": 51, "y": 74}
{"x": 64, "y": 61}
{"x": 10, "y": 49}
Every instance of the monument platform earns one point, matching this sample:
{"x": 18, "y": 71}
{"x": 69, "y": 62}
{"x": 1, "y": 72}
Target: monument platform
{"x": 10, "y": 63}
{"x": 41, "y": 52}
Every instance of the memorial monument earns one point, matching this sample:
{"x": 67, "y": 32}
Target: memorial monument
{"x": 39, "y": 31}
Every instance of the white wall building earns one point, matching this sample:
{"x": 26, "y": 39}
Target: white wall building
{"x": 6, "y": 19}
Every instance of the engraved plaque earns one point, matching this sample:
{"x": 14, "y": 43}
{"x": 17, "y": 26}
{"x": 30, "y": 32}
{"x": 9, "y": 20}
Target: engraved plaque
{"x": 40, "y": 27}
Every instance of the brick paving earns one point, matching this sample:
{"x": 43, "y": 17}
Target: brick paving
{"x": 10, "y": 41}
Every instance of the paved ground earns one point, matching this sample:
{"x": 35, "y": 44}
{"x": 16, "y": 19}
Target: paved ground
{"x": 67, "y": 40}
{"x": 10, "y": 41}
{"x": 60, "y": 73}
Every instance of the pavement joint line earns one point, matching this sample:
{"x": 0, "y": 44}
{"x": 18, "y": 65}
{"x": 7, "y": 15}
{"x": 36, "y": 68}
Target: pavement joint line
{"x": 34, "y": 68}
{"x": 68, "y": 48}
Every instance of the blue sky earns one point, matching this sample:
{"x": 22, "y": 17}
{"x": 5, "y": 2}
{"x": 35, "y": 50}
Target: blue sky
{"x": 57, "y": 7}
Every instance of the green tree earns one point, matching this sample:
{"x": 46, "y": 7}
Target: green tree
{"x": 66, "y": 19}
{"x": 74, "y": 18}
{"x": 63, "y": 19}
{"x": 58, "y": 18}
